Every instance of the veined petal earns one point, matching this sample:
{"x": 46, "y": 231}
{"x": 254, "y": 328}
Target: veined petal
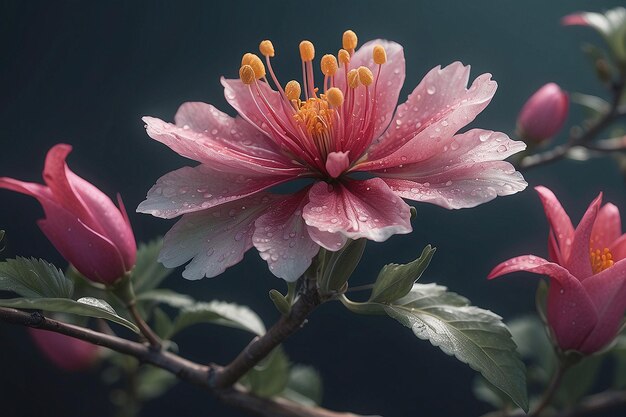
{"x": 559, "y": 222}
{"x": 331, "y": 241}
{"x": 461, "y": 186}
{"x": 571, "y": 313}
{"x": 188, "y": 189}
{"x": 202, "y": 147}
{"x": 607, "y": 227}
{"x": 390, "y": 79}
{"x": 282, "y": 239}
{"x": 213, "y": 239}
{"x": 607, "y": 291}
{"x": 438, "y": 107}
{"x": 578, "y": 262}
{"x": 357, "y": 209}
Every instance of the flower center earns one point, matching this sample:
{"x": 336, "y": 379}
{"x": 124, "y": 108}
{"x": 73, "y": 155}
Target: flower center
{"x": 600, "y": 260}
{"x": 337, "y": 120}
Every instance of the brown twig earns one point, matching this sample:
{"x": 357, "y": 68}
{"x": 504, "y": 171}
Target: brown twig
{"x": 146, "y": 331}
{"x": 186, "y": 370}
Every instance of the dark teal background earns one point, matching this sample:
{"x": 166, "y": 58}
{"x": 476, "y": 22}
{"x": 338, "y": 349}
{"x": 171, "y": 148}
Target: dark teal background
{"x": 84, "y": 73}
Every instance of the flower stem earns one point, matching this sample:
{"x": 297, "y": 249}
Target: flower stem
{"x": 548, "y": 395}
{"x": 146, "y": 331}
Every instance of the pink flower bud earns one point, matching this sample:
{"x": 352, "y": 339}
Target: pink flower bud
{"x": 65, "y": 352}
{"x": 544, "y": 113}
{"x": 81, "y": 221}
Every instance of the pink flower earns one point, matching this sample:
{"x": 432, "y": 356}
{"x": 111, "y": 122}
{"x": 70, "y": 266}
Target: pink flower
{"x": 331, "y": 139}
{"x": 544, "y": 114}
{"x": 81, "y": 221}
{"x": 66, "y": 352}
{"x": 587, "y": 296}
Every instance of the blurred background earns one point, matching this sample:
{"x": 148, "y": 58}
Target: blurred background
{"x": 84, "y": 73}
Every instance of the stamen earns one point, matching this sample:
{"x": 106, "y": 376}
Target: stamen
{"x": 334, "y": 96}
{"x": 246, "y": 73}
{"x": 600, "y": 260}
{"x": 380, "y": 55}
{"x": 365, "y": 76}
{"x": 293, "y": 90}
{"x": 266, "y": 48}
{"x": 344, "y": 57}
{"x": 349, "y": 41}
{"x": 353, "y": 78}
{"x": 256, "y": 64}
{"x": 329, "y": 65}
{"x": 307, "y": 51}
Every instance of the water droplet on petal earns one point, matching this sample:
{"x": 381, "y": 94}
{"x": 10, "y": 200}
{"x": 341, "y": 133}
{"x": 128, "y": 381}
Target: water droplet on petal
{"x": 431, "y": 90}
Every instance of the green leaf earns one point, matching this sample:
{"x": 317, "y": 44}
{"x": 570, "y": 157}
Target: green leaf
{"x": 304, "y": 386}
{"x": 395, "y": 281}
{"x": 165, "y": 296}
{"x": 33, "y": 278}
{"x": 153, "y": 382}
{"x": 337, "y": 267}
{"x": 475, "y": 336}
{"x": 269, "y": 377}
{"x": 221, "y": 313}
{"x": 86, "y": 306}
{"x": 578, "y": 380}
{"x": 595, "y": 106}
{"x": 280, "y": 302}
{"x": 163, "y": 325}
{"x": 619, "y": 356}
{"x": 148, "y": 273}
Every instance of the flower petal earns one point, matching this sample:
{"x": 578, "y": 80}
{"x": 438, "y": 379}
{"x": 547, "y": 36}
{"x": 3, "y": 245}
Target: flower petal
{"x": 282, "y": 238}
{"x": 188, "y": 189}
{"x": 357, "y": 209}
{"x": 559, "y": 221}
{"x": 214, "y": 239}
{"x": 330, "y": 241}
{"x": 438, "y": 107}
{"x": 607, "y": 290}
{"x": 390, "y": 79}
{"x": 68, "y": 353}
{"x": 462, "y": 186}
{"x": 607, "y": 227}
{"x": 579, "y": 263}
{"x": 205, "y": 148}
{"x": 571, "y": 313}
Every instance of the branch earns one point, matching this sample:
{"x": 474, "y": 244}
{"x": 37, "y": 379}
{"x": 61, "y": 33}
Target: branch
{"x": 188, "y": 371}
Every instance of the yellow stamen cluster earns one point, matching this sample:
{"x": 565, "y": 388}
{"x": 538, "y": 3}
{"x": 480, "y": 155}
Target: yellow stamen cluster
{"x": 317, "y": 116}
{"x": 365, "y": 76}
{"x": 255, "y": 62}
{"x": 349, "y": 40}
{"x": 600, "y": 260}
{"x": 329, "y": 65}
{"x": 307, "y": 51}
{"x": 380, "y": 55}
{"x": 343, "y": 56}
{"x": 266, "y": 48}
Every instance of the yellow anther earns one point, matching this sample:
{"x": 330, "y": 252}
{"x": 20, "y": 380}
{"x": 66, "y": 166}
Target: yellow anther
{"x": 329, "y": 64}
{"x": 267, "y": 48}
{"x": 600, "y": 260}
{"x": 349, "y": 40}
{"x": 256, "y": 64}
{"x": 307, "y": 51}
{"x": 246, "y": 73}
{"x": 353, "y": 78}
{"x": 246, "y": 58}
{"x": 334, "y": 96}
{"x": 344, "y": 56}
{"x": 293, "y": 90}
{"x": 380, "y": 56}
{"x": 365, "y": 76}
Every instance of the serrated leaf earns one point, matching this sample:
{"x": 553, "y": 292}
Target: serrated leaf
{"x": 87, "y": 306}
{"x": 396, "y": 280}
{"x": 221, "y": 313}
{"x": 304, "y": 386}
{"x": 33, "y": 278}
{"x": 148, "y": 273}
{"x": 269, "y": 377}
{"x": 165, "y": 296}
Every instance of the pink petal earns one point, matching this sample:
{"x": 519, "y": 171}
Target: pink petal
{"x": 357, "y": 209}
{"x": 438, "y": 107}
{"x": 66, "y": 352}
{"x": 330, "y": 241}
{"x": 571, "y": 313}
{"x": 574, "y": 19}
{"x": 462, "y": 186}
{"x": 390, "y": 79}
{"x": 213, "y": 239}
{"x": 188, "y": 190}
{"x": 107, "y": 218}
{"x": 607, "y": 227}
{"x": 578, "y": 262}
{"x": 559, "y": 222}
{"x": 282, "y": 238}
{"x": 607, "y": 290}
{"x": 205, "y": 148}
{"x": 618, "y": 248}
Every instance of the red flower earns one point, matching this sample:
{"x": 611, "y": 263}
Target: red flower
{"x": 587, "y": 296}
{"x": 544, "y": 113}
{"x": 81, "y": 221}
{"x": 65, "y": 352}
